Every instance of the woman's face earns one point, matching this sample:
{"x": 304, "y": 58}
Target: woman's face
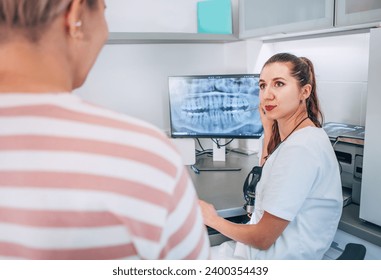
{"x": 95, "y": 33}
{"x": 280, "y": 93}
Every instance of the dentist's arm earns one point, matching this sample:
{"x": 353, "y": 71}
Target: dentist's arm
{"x": 261, "y": 235}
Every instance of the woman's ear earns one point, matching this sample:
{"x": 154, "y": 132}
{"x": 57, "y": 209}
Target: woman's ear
{"x": 73, "y": 19}
{"x": 306, "y": 91}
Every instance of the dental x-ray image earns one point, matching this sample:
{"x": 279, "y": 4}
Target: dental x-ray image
{"x": 218, "y": 106}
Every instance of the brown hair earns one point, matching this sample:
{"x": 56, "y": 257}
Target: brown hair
{"x": 32, "y": 16}
{"x": 303, "y": 71}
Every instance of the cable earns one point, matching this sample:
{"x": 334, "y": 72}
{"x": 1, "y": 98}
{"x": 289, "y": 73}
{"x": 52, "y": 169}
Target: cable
{"x": 333, "y": 146}
{"x": 199, "y": 143}
{"x": 217, "y": 142}
{"x": 210, "y": 151}
{"x": 203, "y": 151}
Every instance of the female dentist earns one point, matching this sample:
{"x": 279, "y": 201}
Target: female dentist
{"x": 298, "y": 198}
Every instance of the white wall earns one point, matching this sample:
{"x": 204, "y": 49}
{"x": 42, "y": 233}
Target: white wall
{"x": 133, "y": 79}
{"x": 341, "y": 66}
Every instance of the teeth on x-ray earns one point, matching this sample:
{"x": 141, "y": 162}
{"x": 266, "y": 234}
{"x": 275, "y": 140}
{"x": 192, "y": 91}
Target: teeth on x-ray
{"x": 242, "y": 85}
{"x": 214, "y": 111}
{"x": 214, "y": 101}
{"x": 215, "y": 105}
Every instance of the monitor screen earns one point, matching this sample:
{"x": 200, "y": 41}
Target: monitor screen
{"x": 215, "y": 106}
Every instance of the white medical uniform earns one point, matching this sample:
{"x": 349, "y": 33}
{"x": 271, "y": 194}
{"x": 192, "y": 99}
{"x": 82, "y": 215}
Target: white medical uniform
{"x": 300, "y": 183}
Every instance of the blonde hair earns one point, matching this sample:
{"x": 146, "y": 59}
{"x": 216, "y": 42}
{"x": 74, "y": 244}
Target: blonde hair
{"x": 31, "y": 16}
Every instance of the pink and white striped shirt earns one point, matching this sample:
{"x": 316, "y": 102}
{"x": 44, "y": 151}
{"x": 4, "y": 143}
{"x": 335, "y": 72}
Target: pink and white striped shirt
{"x": 81, "y": 182}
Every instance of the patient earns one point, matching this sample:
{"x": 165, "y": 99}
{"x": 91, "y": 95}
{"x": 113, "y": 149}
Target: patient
{"x": 78, "y": 181}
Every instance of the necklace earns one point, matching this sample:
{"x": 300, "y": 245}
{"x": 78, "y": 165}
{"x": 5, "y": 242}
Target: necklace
{"x": 293, "y": 130}
{"x": 266, "y": 157}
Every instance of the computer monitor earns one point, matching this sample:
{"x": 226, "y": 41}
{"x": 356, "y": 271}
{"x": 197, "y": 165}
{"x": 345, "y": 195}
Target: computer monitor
{"x": 217, "y": 107}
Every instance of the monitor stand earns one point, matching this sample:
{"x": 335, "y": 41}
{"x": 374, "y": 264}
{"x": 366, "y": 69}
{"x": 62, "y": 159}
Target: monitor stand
{"x": 218, "y": 162}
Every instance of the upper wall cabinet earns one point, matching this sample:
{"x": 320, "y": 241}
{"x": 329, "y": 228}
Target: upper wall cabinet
{"x": 159, "y": 21}
{"x": 258, "y": 18}
{"x": 152, "y": 16}
{"x": 352, "y": 12}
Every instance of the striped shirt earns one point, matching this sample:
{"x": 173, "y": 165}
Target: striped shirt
{"x": 81, "y": 182}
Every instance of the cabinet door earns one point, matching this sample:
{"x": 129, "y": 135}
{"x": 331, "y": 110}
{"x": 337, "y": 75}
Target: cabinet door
{"x": 159, "y": 21}
{"x": 261, "y": 18}
{"x": 152, "y": 16}
{"x": 350, "y": 12}
{"x": 371, "y": 186}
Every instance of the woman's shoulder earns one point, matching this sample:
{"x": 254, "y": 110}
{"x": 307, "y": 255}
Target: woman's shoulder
{"x": 310, "y": 133}
{"x": 312, "y": 139}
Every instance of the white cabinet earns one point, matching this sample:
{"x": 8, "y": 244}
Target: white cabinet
{"x": 175, "y": 21}
{"x": 371, "y": 181}
{"x": 159, "y": 21}
{"x": 160, "y": 16}
{"x": 351, "y": 12}
{"x": 260, "y": 18}
{"x": 284, "y": 18}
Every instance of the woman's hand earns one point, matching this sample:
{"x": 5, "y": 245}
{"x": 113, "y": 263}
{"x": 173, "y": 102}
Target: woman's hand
{"x": 266, "y": 122}
{"x": 209, "y": 213}
{"x": 267, "y": 131}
